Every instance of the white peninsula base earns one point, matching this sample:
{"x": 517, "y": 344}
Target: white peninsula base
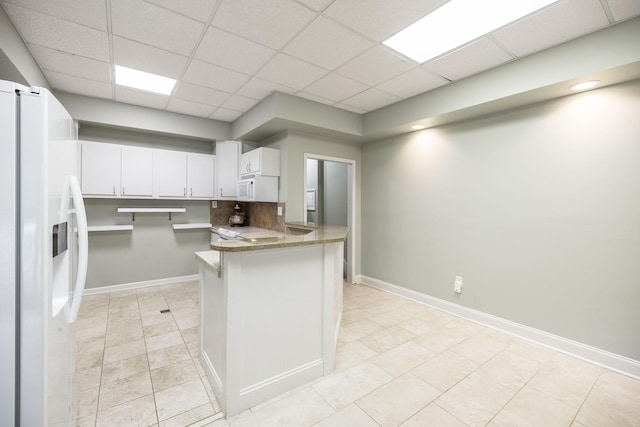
{"x": 269, "y": 320}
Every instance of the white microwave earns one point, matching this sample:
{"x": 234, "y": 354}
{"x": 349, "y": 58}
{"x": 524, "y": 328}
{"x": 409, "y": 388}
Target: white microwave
{"x": 258, "y": 189}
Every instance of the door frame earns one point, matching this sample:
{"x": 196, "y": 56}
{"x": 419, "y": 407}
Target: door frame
{"x": 351, "y": 204}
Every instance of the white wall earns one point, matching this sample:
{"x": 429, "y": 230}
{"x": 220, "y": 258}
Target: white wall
{"x": 538, "y": 209}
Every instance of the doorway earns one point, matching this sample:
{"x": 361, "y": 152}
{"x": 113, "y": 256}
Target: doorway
{"x": 329, "y": 199}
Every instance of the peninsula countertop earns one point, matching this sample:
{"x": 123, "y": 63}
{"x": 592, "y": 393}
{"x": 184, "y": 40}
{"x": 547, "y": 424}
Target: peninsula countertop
{"x": 297, "y": 234}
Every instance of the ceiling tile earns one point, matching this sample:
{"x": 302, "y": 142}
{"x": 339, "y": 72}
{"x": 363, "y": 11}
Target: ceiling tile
{"x": 221, "y": 48}
{"x": 66, "y": 63}
{"x": 214, "y": 77}
{"x": 292, "y": 72}
{"x": 375, "y": 66}
{"x": 203, "y": 95}
{"x": 413, "y": 83}
{"x": 327, "y": 44}
{"x": 624, "y": 9}
{"x": 92, "y": 13}
{"x": 189, "y": 108}
{"x": 200, "y": 10}
{"x": 316, "y": 4}
{"x": 335, "y": 87}
{"x": 147, "y": 58}
{"x": 54, "y": 33}
{"x": 225, "y": 115}
{"x": 371, "y": 99}
{"x": 551, "y": 26}
{"x": 73, "y": 84}
{"x": 153, "y": 25}
{"x": 239, "y": 103}
{"x": 272, "y": 23}
{"x": 380, "y": 19}
{"x": 473, "y": 58}
{"x": 258, "y": 89}
{"x": 138, "y": 97}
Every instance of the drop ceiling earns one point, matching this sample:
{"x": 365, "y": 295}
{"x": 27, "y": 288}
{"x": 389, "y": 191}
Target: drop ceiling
{"x": 228, "y": 55}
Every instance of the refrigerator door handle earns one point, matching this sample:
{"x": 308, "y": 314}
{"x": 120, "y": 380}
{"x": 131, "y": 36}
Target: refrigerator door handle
{"x": 83, "y": 246}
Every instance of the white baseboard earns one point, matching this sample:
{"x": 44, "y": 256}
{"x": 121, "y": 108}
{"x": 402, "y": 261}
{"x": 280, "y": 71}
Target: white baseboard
{"x": 595, "y": 355}
{"x": 137, "y": 285}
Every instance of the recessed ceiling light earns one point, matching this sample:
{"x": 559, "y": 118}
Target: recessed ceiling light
{"x": 144, "y": 81}
{"x": 417, "y": 127}
{"x": 585, "y": 85}
{"x": 456, "y": 23}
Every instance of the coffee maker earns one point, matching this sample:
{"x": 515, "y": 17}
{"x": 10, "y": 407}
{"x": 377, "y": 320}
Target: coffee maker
{"x": 238, "y": 217}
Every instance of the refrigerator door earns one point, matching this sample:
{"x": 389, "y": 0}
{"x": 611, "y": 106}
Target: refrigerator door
{"x": 48, "y": 150}
{"x": 8, "y": 252}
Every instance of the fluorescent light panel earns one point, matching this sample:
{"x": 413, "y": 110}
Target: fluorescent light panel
{"x": 457, "y": 23}
{"x": 144, "y": 81}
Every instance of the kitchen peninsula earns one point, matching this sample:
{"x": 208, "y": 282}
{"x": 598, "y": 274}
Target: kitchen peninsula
{"x": 271, "y": 306}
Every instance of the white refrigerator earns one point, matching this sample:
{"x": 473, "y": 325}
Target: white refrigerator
{"x": 43, "y": 257}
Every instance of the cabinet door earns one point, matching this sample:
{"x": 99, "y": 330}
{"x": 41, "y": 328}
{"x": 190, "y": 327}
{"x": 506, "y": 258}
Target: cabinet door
{"x": 170, "y": 173}
{"x": 227, "y": 158}
{"x": 137, "y": 172}
{"x": 100, "y": 169}
{"x": 261, "y": 161}
{"x": 245, "y": 163}
{"x": 200, "y": 175}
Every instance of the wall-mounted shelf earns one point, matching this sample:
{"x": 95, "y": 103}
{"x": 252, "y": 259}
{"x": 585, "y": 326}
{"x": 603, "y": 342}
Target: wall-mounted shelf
{"x": 191, "y": 226}
{"x": 93, "y": 228}
{"x": 134, "y": 211}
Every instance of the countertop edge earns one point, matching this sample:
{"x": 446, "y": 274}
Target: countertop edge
{"x": 316, "y": 236}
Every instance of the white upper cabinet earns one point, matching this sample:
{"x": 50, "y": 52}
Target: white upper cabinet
{"x": 137, "y": 172}
{"x": 100, "y": 169}
{"x": 184, "y": 175}
{"x": 261, "y": 161}
{"x": 123, "y": 171}
{"x": 170, "y": 173}
{"x": 227, "y": 157}
{"x": 200, "y": 175}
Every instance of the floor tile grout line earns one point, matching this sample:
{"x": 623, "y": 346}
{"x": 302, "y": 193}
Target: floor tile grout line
{"x": 146, "y": 351}
{"x": 586, "y": 397}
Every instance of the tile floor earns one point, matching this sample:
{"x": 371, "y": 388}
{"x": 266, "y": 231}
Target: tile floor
{"x": 398, "y": 363}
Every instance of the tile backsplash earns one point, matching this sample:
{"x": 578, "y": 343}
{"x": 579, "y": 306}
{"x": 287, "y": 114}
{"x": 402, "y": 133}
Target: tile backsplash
{"x": 258, "y": 214}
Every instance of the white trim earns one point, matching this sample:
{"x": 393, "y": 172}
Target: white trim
{"x": 594, "y": 355}
{"x": 280, "y": 377}
{"x": 352, "y": 185}
{"x": 137, "y": 285}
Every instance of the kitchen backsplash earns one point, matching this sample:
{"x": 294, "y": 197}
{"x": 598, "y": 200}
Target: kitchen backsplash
{"x": 259, "y": 214}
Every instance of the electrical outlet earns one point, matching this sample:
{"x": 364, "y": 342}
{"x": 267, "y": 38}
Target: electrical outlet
{"x": 279, "y": 210}
{"x": 457, "y": 285}
{"x": 214, "y": 204}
